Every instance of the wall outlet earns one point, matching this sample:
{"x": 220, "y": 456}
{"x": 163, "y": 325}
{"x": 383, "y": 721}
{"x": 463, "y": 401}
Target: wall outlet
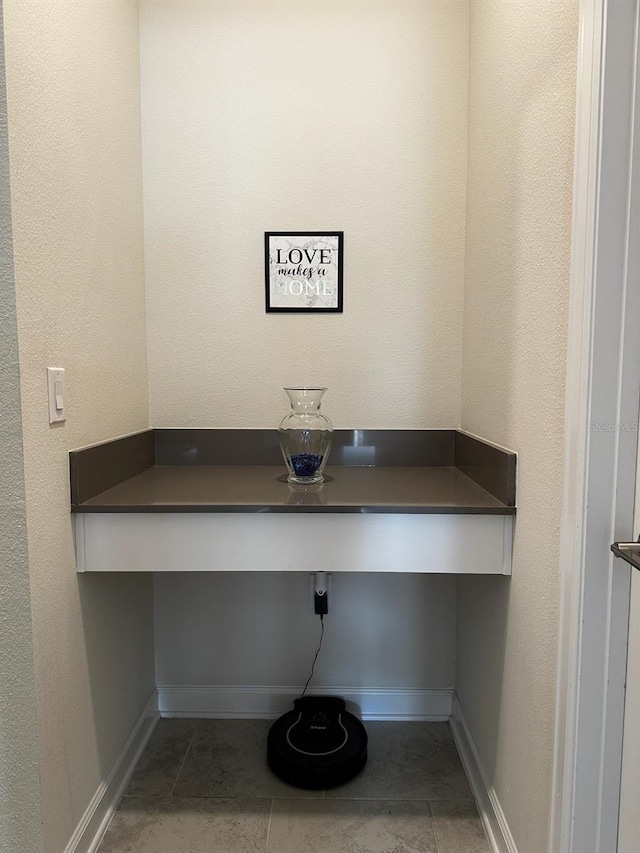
{"x": 320, "y": 580}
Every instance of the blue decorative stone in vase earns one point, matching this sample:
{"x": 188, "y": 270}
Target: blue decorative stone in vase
{"x": 305, "y": 436}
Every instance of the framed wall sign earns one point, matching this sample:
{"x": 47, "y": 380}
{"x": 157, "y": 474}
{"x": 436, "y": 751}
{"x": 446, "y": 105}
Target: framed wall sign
{"x": 303, "y": 271}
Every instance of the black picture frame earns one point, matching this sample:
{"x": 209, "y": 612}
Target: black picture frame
{"x": 302, "y": 248}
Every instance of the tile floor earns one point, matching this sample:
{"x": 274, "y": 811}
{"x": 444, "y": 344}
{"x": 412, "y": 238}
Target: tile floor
{"x": 203, "y": 786}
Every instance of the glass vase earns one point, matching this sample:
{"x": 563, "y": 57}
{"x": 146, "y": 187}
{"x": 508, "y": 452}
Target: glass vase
{"x": 305, "y": 436}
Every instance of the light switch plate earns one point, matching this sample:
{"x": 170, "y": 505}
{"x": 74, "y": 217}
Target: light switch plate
{"x": 55, "y": 383}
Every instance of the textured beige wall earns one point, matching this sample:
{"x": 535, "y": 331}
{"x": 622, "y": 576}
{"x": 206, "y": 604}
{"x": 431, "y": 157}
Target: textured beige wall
{"x": 521, "y": 124}
{"x": 261, "y": 116}
{"x": 74, "y": 143}
{"x": 385, "y": 630}
{"x": 20, "y": 826}
{"x": 320, "y": 115}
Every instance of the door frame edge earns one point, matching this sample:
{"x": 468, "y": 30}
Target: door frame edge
{"x": 603, "y": 369}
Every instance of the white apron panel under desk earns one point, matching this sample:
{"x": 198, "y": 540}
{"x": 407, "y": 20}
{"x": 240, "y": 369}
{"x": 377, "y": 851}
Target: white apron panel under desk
{"x": 289, "y": 542}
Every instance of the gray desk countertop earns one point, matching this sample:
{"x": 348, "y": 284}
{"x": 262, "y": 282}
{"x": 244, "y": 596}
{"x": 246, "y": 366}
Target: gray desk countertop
{"x": 373, "y": 471}
{"x": 263, "y": 488}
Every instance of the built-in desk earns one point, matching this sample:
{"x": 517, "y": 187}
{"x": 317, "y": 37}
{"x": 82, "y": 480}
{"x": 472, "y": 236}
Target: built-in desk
{"x": 218, "y": 500}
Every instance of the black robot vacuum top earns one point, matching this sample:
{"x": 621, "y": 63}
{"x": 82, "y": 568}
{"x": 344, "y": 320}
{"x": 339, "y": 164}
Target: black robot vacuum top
{"x": 317, "y": 745}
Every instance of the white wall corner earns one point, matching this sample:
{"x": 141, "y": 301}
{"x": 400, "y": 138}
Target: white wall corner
{"x": 267, "y": 703}
{"x": 96, "y": 819}
{"x": 489, "y": 807}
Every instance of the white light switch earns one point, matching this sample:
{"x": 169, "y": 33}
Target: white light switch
{"x": 55, "y": 382}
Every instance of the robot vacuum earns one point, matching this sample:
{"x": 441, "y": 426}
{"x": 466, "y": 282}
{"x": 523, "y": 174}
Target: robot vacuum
{"x": 317, "y": 745}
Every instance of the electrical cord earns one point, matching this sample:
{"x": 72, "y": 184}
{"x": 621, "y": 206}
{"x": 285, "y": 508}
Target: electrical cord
{"x": 316, "y": 656}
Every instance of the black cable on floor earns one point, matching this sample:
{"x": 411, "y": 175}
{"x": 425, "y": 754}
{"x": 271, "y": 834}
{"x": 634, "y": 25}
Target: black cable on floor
{"x": 316, "y": 657}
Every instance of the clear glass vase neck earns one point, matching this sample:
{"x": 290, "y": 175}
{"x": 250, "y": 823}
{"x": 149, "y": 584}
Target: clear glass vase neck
{"x": 305, "y": 399}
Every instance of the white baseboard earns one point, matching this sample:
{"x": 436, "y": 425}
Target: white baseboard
{"x": 269, "y": 702}
{"x": 94, "y": 822}
{"x": 491, "y": 812}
